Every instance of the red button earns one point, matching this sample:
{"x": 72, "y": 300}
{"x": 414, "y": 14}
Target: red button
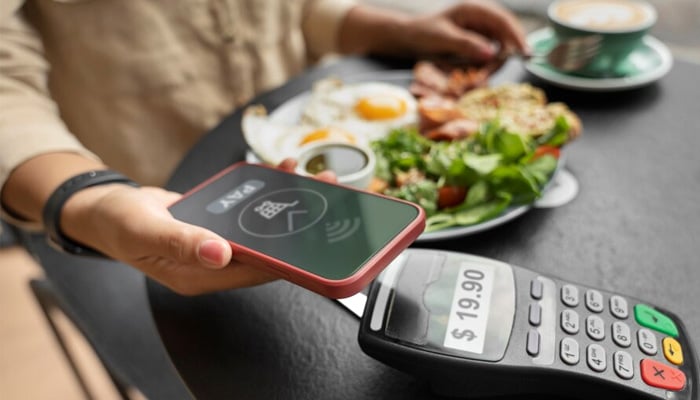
{"x": 662, "y": 376}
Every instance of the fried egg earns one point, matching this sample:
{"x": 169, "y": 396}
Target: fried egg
{"x": 369, "y": 109}
{"x": 273, "y": 141}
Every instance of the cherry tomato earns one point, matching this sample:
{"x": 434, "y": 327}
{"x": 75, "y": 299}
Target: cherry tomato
{"x": 450, "y": 196}
{"x": 546, "y": 149}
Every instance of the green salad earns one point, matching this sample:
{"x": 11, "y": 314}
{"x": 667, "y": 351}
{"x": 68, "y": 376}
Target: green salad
{"x": 467, "y": 181}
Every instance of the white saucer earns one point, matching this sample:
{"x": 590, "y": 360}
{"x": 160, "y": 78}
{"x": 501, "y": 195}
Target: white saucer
{"x": 651, "y": 61}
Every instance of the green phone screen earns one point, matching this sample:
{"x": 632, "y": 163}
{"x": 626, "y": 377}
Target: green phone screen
{"x": 321, "y": 228}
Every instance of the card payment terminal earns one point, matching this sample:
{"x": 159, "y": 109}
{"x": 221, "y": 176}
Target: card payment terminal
{"x": 477, "y": 327}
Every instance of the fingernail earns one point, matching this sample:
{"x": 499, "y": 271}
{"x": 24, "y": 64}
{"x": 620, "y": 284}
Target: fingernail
{"x": 212, "y": 252}
{"x": 487, "y": 52}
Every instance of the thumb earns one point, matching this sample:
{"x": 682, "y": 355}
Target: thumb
{"x": 214, "y": 252}
{"x": 191, "y": 245}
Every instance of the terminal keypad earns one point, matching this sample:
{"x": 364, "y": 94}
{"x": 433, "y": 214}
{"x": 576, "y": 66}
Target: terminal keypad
{"x": 600, "y": 331}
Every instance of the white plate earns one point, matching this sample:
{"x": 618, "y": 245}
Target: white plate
{"x": 289, "y": 112}
{"x": 561, "y": 189}
{"x": 448, "y": 233}
{"x": 650, "y": 61}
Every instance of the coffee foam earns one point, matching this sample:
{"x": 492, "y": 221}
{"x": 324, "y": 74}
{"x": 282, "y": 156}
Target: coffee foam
{"x": 601, "y": 15}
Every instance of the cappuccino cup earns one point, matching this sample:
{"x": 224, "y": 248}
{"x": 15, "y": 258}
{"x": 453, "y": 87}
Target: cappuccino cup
{"x": 620, "y": 23}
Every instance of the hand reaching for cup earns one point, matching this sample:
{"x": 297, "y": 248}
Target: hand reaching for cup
{"x": 475, "y": 32}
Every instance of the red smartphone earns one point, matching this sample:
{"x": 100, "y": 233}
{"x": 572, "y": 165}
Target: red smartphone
{"x": 328, "y": 238}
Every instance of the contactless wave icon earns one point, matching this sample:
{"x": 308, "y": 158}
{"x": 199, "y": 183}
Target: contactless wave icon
{"x": 341, "y": 230}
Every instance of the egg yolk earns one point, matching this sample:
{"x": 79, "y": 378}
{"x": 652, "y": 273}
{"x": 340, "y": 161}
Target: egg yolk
{"x": 325, "y": 134}
{"x": 380, "y": 107}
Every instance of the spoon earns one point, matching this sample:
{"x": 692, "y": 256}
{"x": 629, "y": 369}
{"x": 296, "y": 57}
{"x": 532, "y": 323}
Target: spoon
{"x": 571, "y": 54}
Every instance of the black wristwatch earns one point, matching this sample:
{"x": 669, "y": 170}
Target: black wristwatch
{"x": 54, "y": 205}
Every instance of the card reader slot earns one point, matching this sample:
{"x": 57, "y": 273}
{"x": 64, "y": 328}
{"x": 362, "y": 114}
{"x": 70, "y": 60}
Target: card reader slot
{"x": 408, "y": 318}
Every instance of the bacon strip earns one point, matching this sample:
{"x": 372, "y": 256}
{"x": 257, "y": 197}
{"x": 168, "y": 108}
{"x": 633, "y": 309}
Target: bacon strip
{"x": 435, "y": 110}
{"x": 428, "y": 79}
{"x": 447, "y": 81}
{"x": 437, "y": 89}
{"x": 453, "y": 130}
{"x": 461, "y": 81}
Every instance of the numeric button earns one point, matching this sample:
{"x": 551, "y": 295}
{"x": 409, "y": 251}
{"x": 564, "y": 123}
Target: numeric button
{"x": 595, "y": 357}
{"x": 621, "y": 333}
{"x": 595, "y": 327}
{"x": 569, "y": 295}
{"x": 594, "y": 300}
{"x": 623, "y": 364}
{"x": 570, "y": 322}
{"x": 647, "y": 341}
{"x": 569, "y": 351}
{"x": 619, "y": 307}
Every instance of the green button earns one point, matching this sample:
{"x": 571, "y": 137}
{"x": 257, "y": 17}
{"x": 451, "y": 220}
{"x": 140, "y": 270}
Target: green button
{"x": 653, "y": 319}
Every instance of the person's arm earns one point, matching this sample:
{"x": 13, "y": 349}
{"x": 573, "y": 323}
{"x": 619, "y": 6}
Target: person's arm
{"x": 31, "y": 183}
{"x": 132, "y": 225}
{"x": 129, "y": 224}
{"x": 30, "y": 124}
{"x": 474, "y": 30}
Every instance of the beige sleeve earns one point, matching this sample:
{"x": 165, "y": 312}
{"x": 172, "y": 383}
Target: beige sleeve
{"x": 29, "y": 119}
{"x": 321, "y": 24}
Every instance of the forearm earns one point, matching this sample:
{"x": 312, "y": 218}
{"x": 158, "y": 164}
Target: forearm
{"x": 369, "y": 29}
{"x": 30, "y": 184}
{"x": 36, "y": 148}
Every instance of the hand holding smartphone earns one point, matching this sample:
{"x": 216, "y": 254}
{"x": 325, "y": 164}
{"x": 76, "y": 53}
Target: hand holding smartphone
{"x": 328, "y": 238}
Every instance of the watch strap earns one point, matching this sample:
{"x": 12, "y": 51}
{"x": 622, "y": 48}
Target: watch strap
{"x": 54, "y": 205}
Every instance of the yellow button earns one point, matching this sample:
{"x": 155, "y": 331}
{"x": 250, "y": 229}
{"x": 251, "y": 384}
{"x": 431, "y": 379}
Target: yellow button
{"x": 673, "y": 350}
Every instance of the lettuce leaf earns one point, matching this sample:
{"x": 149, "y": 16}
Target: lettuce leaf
{"x": 496, "y": 166}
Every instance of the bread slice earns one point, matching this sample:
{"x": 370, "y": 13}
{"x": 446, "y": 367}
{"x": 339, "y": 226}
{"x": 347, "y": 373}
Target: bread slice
{"x": 520, "y": 107}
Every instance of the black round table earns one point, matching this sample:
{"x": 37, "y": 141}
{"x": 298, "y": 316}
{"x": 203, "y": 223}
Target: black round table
{"x": 634, "y": 228}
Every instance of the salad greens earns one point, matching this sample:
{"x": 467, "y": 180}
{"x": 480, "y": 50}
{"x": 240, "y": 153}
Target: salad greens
{"x": 497, "y": 168}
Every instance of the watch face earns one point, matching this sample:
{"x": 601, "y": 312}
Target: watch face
{"x": 327, "y": 230}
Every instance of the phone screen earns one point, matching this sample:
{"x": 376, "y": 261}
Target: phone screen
{"x": 324, "y": 229}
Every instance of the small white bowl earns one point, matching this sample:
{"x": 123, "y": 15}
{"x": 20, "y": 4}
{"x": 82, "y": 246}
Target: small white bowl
{"x": 352, "y": 164}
